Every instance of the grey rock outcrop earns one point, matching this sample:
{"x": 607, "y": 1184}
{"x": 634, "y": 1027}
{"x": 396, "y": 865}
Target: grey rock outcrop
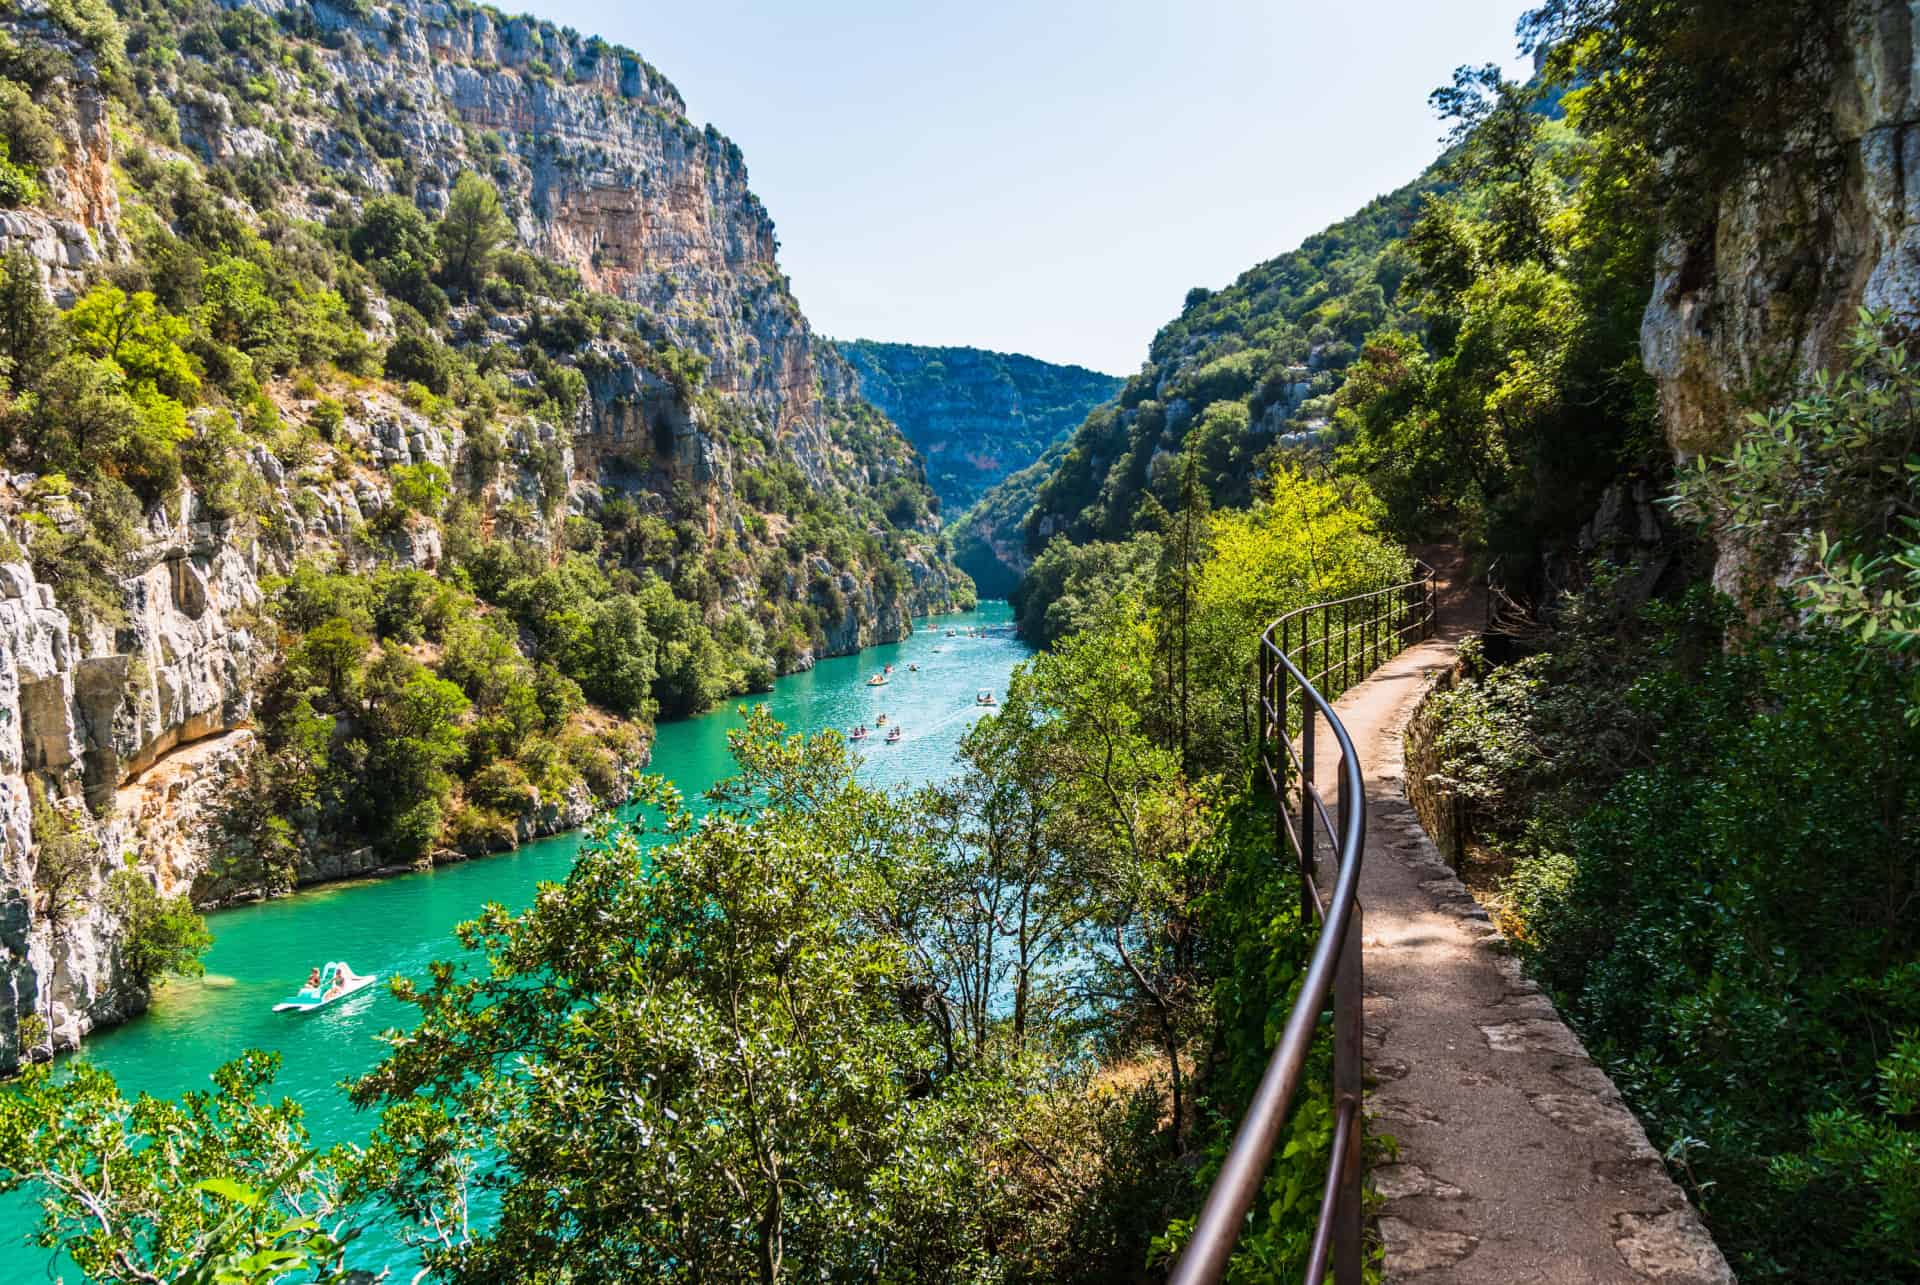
{"x": 1799, "y": 245}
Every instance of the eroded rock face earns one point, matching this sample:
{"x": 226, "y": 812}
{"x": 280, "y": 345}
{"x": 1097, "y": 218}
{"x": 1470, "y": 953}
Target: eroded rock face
{"x": 84, "y": 713}
{"x": 1799, "y": 246}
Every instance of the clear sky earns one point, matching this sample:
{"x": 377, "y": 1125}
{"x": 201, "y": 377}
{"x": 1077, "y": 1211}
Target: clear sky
{"x": 1051, "y": 176}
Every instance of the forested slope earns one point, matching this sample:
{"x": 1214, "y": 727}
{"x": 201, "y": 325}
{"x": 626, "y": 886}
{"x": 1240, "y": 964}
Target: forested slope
{"x": 402, "y": 405}
{"x": 974, "y": 415}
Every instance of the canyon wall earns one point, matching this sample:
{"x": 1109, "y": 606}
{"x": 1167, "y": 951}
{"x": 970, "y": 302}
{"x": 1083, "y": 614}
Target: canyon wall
{"x": 1796, "y": 247}
{"x": 123, "y": 726}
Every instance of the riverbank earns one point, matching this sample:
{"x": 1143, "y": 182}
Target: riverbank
{"x": 325, "y": 864}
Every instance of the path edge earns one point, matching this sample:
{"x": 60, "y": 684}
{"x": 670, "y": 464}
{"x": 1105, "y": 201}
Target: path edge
{"x": 1666, "y": 1242}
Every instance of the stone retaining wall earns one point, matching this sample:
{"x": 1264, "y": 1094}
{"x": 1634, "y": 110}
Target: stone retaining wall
{"x": 1443, "y": 814}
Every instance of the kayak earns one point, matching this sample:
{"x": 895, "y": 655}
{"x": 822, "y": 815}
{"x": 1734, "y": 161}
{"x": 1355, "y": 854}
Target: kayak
{"x": 306, "y": 1001}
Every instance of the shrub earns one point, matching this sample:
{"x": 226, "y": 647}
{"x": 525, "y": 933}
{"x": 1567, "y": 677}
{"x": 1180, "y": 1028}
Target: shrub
{"x": 1713, "y": 874}
{"x": 158, "y": 934}
{"x": 418, "y": 357}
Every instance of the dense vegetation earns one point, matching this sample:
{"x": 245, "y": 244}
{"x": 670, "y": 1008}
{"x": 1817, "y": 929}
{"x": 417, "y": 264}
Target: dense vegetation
{"x": 965, "y": 1033}
{"x": 472, "y": 640}
{"x": 1697, "y": 819}
{"x": 972, "y": 1033}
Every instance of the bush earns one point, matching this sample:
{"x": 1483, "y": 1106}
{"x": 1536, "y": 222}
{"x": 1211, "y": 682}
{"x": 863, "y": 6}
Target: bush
{"x": 503, "y": 788}
{"x": 1713, "y": 874}
{"x": 476, "y": 831}
{"x": 159, "y": 935}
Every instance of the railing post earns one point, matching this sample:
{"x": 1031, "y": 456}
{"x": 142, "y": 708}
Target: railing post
{"x": 1349, "y": 1058}
{"x": 1326, "y": 645}
{"x": 1371, "y": 646}
{"x": 1307, "y": 903}
{"x": 1346, "y": 651}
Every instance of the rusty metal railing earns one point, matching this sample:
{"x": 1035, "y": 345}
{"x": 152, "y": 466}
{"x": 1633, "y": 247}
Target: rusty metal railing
{"x": 1371, "y": 628}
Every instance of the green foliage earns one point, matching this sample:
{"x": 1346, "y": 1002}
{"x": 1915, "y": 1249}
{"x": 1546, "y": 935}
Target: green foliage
{"x": 395, "y": 242}
{"x": 1712, "y": 872}
{"x": 1830, "y": 479}
{"x": 216, "y": 1189}
{"x": 136, "y": 335}
{"x": 1070, "y": 586}
{"x": 159, "y": 935}
{"x": 1712, "y": 87}
{"x": 18, "y": 186}
{"x": 472, "y": 232}
{"x": 1526, "y": 397}
{"x": 421, "y": 488}
{"x": 29, "y": 324}
{"x": 808, "y": 1127}
{"x": 417, "y": 357}
{"x": 423, "y": 736}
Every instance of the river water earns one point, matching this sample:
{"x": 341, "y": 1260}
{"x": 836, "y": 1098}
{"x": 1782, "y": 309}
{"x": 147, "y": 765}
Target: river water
{"x": 262, "y": 953}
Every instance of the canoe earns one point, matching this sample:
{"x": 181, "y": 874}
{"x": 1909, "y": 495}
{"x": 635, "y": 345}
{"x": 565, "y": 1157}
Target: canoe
{"x": 306, "y": 1004}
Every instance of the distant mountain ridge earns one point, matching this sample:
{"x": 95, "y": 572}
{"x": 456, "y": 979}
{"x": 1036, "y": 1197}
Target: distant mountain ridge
{"x": 975, "y": 415}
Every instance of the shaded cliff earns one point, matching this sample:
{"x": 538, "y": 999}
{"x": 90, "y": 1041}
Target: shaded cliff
{"x": 1761, "y": 290}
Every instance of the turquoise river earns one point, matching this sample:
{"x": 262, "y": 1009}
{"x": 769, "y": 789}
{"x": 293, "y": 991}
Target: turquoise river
{"x": 397, "y": 925}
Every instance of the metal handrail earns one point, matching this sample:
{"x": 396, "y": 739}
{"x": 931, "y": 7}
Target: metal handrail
{"x": 1390, "y": 615}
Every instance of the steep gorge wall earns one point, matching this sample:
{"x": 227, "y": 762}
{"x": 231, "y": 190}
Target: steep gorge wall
{"x": 132, "y": 727}
{"x": 976, "y": 415}
{"x": 1797, "y": 247}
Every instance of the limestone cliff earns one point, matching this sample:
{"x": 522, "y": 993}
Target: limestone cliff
{"x": 797, "y": 522}
{"x": 1795, "y": 248}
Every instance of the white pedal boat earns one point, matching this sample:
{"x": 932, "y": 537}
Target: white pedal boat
{"x": 309, "y": 999}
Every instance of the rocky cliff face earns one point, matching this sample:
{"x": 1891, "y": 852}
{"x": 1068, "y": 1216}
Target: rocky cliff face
{"x": 89, "y": 710}
{"x": 123, "y": 728}
{"x": 1797, "y": 247}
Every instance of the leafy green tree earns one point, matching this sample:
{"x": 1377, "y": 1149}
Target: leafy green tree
{"x": 86, "y": 420}
{"x": 391, "y": 229}
{"x": 238, "y": 308}
{"x": 30, "y": 337}
{"x": 332, "y": 656}
{"x": 421, "y": 488}
{"x": 395, "y": 242}
{"x": 1712, "y": 87}
{"x": 472, "y": 232}
{"x": 411, "y": 720}
{"x": 997, "y": 914}
{"x": 136, "y": 335}
{"x": 692, "y": 1060}
{"x": 159, "y": 935}
{"x": 218, "y": 1187}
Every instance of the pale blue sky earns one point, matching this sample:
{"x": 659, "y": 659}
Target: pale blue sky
{"x": 1051, "y": 178}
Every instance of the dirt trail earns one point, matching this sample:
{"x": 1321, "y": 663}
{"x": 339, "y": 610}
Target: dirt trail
{"x": 1518, "y": 1162}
